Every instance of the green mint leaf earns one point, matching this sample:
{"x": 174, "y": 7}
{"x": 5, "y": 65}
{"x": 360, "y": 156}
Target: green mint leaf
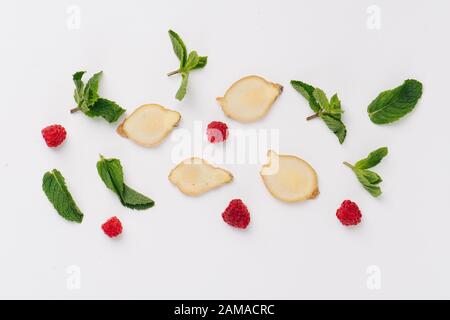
{"x": 372, "y": 159}
{"x": 307, "y": 91}
{"x": 107, "y": 109}
{"x": 202, "y": 61}
{"x": 335, "y": 106}
{"x": 79, "y": 86}
{"x": 89, "y": 101}
{"x": 372, "y": 188}
{"x": 178, "y": 47}
{"x": 191, "y": 61}
{"x": 135, "y": 200}
{"x": 368, "y": 178}
{"x": 55, "y": 188}
{"x": 391, "y": 105}
{"x": 183, "y": 87}
{"x": 335, "y": 125}
{"x": 372, "y": 177}
{"x": 111, "y": 173}
{"x": 322, "y": 99}
{"x": 91, "y": 89}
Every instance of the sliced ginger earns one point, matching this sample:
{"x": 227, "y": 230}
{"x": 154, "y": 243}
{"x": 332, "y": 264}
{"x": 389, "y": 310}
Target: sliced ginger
{"x": 289, "y": 178}
{"x": 149, "y": 124}
{"x": 249, "y": 99}
{"x": 195, "y": 176}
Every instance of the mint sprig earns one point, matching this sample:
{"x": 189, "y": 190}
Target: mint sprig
{"x": 330, "y": 111}
{"x": 369, "y": 179}
{"x": 90, "y": 103}
{"x": 188, "y": 62}
{"x": 55, "y": 189}
{"x": 111, "y": 173}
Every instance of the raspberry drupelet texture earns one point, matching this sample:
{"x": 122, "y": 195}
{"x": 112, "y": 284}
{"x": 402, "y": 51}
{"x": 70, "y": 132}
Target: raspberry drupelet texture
{"x": 236, "y": 214}
{"x": 54, "y": 135}
{"x": 112, "y": 227}
{"x": 349, "y": 213}
{"x": 217, "y": 132}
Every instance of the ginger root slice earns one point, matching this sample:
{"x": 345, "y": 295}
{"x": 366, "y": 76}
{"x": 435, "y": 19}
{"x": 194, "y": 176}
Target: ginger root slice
{"x": 149, "y": 124}
{"x": 195, "y": 176}
{"x": 249, "y": 99}
{"x": 289, "y": 178}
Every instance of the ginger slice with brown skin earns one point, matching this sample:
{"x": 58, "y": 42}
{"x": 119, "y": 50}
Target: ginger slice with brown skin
{"x": 149, "y": 124}
{"x": 195, "y": 176}
{"x": 249, "y": 99}
{"x": 289, "y": 178}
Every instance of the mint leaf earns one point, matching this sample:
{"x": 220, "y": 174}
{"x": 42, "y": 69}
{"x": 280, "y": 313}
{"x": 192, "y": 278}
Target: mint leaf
{"x": 107, "y": 109}
{"x": 79, "y": 86}
{"x": 372, "y": 177}
{"x": 55, "y": 189}
{"x": 111, "y": 173}
{"x": 135, "y": 200}
{"x": 372, "y": 188}
{"x": 329, "y": 111}
{"x": 191, "y": 61}
{"x": 372, "y": 159}
{"x": 183, "y": 87}
{"x": 91, "y": 89}
{"x": 307, "y": 91}
{"x": 368, "y": 178}
{"x": 391, "y": 105}
{"x": 335, "y": 125}
{"x": 89, "y": 102}
{"x": 322, "y": 99}
{"x": 178, "y": 47}
{"x": 335, "y": 107}
{"x": 187, "y": 63}
{"x": 202, "y": 61}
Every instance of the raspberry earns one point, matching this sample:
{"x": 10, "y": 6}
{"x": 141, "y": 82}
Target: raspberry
{"x": 236, "y": 214}
{"x": 54, "y": 135}
{"x": 349, "y": 213}
{"x": 112, "y": 227}
{"x": 217, "y": 132}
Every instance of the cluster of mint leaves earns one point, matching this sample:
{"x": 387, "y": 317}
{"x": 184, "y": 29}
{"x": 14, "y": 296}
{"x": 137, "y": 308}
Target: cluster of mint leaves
{"x": 188, "y": 62}
{"x": 330, "y": 111}
{"x": 111, "y": 173}
{"x": 369, "y": 179}
{"x": 389, "y": 106}
{"x": 89, "y": 101}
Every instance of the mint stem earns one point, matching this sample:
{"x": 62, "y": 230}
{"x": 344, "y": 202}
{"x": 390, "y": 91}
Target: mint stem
{"x": 315, "y": 115}
{"x": 348, "y": 165}
{"x": 173, "y": 72}
{"x": 75, "y": 110}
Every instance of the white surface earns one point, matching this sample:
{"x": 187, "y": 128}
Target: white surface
{"x": 181, "y": 248}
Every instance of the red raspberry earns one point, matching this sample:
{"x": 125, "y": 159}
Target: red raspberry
{"x": 349, "y": 213}
{"x": 217, "y": 132}
{"x": 112, "y": 227}
{"x": 54, "y": 135}
{"x": 236, "y": 214}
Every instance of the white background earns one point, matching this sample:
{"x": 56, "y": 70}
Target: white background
{"x": 181, "y": 248}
